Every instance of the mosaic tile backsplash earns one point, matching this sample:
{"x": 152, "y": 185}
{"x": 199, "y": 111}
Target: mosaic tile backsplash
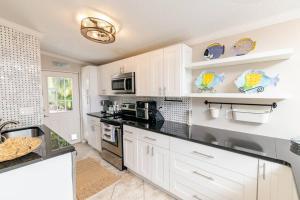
{"x": 172, "y": 111}
{"x": 20, "y": 77}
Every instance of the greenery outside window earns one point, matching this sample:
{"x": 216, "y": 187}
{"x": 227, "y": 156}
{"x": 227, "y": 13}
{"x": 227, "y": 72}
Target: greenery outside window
{"x": 60, "y": 94}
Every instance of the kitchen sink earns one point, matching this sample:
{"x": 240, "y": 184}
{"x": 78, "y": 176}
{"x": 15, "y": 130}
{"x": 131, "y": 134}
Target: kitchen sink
{"x": 28, "y": 132}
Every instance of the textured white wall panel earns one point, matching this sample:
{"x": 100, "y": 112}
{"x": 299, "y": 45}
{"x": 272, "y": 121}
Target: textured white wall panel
{"x": 20, "y": 77}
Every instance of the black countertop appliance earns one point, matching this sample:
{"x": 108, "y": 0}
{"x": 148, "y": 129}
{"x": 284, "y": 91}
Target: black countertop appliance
{"x": 147, "y": 110}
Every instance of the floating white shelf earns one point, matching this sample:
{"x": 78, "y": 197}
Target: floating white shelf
{"x": 281, "y": 54}
{"x": 259, "y": 96}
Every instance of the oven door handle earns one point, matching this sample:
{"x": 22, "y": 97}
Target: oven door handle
{"x": 106, "y": 135}
{"x": 107, "y": 130}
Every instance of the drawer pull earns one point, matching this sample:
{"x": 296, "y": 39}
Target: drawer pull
{"x": 128, "y": 132}
{"x": 128, "y": 140}
{"x": 149, "y": 138}
{"x": 204, "y": 176}
{"x": 147, "y": 149}
{"x": 202, "y": 154}
{"x": 196, "y": 197}
{"x": 152, "y": 151}
{"x": 264, "y": 171}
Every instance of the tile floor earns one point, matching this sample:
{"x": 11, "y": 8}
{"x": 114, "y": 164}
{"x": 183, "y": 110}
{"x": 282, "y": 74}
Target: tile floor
{"x": 129, "y": 187}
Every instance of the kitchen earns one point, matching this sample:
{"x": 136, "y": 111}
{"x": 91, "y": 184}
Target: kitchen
{"x": 113, "y": 112}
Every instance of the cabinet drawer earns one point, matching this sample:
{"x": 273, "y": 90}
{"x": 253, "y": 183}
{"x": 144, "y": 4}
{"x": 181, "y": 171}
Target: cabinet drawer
{"x": 223, "y": 182}
{"x": 130, "y": 132}
{"x": 155, "y": 139}
{"x": 245, "y": 165}
{"x": 185, "y": 189}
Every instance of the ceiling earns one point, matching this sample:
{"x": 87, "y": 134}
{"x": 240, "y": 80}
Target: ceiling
{"x": 145, "y": 24}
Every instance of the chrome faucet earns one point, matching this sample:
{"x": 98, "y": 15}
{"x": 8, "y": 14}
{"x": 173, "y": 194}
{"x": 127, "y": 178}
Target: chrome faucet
{"x": 7, "y": 123}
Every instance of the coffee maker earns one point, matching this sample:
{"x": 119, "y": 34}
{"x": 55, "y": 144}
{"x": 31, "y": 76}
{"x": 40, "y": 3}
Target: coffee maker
{"x": 147, "y": 110}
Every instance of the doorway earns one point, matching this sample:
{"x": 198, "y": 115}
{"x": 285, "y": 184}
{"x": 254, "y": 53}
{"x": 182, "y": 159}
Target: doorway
{"x": 61, "y": 104}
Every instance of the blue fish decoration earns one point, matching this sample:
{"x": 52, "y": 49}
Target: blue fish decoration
{"x": 254, "y": 81}
{"x": 208, "y": 80}
{"x": 214, "y": 51}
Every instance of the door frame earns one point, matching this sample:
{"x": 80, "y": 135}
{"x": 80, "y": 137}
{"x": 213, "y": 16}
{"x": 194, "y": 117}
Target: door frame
{"x": 79, "y": 97}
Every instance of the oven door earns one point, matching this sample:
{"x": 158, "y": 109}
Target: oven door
{"x": 110, "y": 133}
{"x": 112, "y": 145}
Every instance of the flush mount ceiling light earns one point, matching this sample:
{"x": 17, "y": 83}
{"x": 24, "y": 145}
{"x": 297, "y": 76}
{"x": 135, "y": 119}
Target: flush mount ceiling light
{"x": 98, "y": 30}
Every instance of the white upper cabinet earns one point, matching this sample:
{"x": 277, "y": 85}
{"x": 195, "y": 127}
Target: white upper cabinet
{"x": 89, "y": 88}
{"x": 172, "y": 71}
{"x": 275, "y": 182}
{"x": 177, "y": 80}
{"x": 149, "y": 76}
{"x": 163, "y": 73}
{"x": 104, "y": 79}
{"x": 124, "y": 66}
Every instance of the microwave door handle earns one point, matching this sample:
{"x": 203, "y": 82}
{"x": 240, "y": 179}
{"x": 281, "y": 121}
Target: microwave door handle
{"x": 125, "y": 86}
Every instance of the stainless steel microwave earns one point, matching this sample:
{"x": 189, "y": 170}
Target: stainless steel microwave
{"x": 123, "y": 83}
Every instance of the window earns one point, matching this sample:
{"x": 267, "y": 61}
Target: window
{"x": 60, "y": 94}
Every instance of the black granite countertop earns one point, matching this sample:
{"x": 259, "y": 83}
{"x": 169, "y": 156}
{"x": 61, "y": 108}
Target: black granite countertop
{"x": 268, "y": 148}
{"x": 52, "y": 145}
{"x": 99, "y": 114}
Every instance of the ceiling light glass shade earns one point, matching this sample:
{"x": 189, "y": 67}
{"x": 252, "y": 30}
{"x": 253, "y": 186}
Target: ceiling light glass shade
{"x": 98, "y": 30}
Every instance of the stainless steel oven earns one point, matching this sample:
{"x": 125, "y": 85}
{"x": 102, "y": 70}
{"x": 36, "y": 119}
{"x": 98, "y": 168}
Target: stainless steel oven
{"x": 112, "y": 144}
{"x": 123, "y": 83}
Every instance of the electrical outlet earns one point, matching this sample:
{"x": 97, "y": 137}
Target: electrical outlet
{"x": 27, "y": 111}
{"x": 74, "y": 137}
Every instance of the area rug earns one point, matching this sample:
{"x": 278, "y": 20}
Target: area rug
{"x": 92, "y": 178}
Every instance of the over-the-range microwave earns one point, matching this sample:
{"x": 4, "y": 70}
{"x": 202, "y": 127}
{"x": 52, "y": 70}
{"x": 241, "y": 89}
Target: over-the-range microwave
{"x": 123, "y": 83}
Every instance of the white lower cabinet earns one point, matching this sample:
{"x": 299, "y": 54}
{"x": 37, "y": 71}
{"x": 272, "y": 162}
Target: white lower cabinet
{"x": 194, "y": 171}
{"x": 144, "y": 159}
{"x": 194, "y": 179}
{"x": 130, "y": 153}
{"x": 160, "y": 169}
{"x": 275, "y": 182}
{"x": 154, "y": 164}
{"x": 93, "y": 133}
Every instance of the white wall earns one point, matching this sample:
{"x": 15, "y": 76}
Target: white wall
{"x": 285, "y": 120}
{"x": 48, "y": 63}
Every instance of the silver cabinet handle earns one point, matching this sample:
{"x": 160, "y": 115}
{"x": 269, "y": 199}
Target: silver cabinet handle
{"x": 164, "y": 91}
{"x": 147, "y": 149}
{"x": 128, "y": 140}
{"x": 196, "y": 197}
{"x": 204, "y": 176}
{"x": 152, "y": 151}
{"x": 149, "y": 138}
{"x": 264, "y": 171}
{"x": 128, "y": 132}
{"x": 202, "y": 154}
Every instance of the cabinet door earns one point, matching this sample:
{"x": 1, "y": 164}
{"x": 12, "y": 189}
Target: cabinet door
{"x": 130, "y": 65}
{"x": 155, "y": 75}
{"x": 142, "y": 78}
{"x": 172, "y": 71}
{"x": 104, "y": 79}
{"x": 85, "y": 81}
{"x": 91, "y": 132}
{"x": 144, "y": 159}
{"x": 275, "y": 182}
{"x": 130, "y": 153}
{"x": 160, "y": 165}
{"x": 97, "y": 132}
